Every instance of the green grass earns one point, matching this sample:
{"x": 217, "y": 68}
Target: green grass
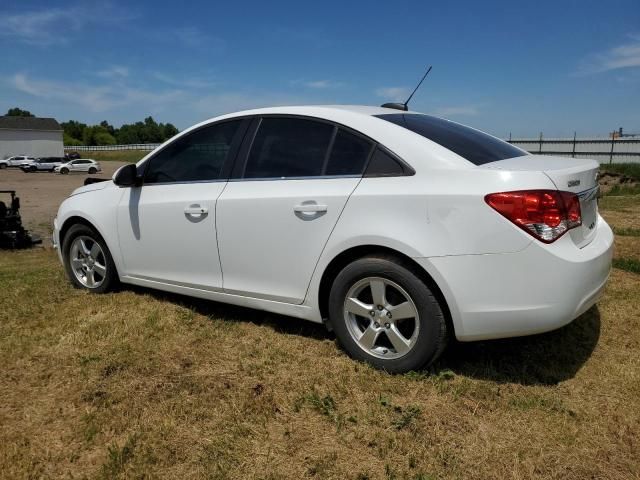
{"x": 130, "y": 156}
{"x": 627, "y": 264}
{"x": 629, "y": 169}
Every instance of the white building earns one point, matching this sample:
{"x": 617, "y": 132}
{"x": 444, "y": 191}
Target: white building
{"x": 35, "y": 137}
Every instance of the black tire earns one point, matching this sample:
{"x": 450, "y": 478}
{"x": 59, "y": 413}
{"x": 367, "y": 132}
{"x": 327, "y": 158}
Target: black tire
{"x": 431, "y": 338}
{"x": 3, "y": 166}
{"x": 111, "y": 279}
{"x": 64, "y": 171}
{"x": 92, "y": 170}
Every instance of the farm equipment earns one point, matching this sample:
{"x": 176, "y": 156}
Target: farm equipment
{"x": 12, "y": 233}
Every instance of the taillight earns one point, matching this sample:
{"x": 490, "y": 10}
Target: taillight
{"x": 545, "y": 214}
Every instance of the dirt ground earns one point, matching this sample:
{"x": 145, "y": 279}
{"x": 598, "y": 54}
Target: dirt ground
{"x": 41, "y": 193}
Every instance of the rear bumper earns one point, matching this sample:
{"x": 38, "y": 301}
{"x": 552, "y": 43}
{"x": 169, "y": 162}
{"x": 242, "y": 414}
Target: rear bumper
{"x": 538, "y": 289}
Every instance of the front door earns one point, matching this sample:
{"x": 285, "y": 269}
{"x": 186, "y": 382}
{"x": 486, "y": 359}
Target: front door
{"x": 167, "y": 227}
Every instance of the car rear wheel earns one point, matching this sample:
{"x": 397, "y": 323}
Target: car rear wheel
{"x": 384, "y": 314}
{"x": 3, "y": 166}
{"x": 88, "y": 262}
{"x": 64, "y": 171}
{"x": 92, "y": 170}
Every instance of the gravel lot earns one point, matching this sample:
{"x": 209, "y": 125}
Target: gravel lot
{"x": 41, "y": 193}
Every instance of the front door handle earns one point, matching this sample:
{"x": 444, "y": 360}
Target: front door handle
{"x": 310, "y": 208}
{"x": 196, "y": 210}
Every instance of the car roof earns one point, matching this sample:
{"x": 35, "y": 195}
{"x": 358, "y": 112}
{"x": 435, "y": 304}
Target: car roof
{"x": 362, "y": 118}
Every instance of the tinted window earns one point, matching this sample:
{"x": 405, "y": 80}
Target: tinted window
{"x": 288, "y": 147}
{"x": 475, "y": 146}
{"x": 383, "y": 165}
{"x": 196, "y": 156}
{"x": 349, "y": 154}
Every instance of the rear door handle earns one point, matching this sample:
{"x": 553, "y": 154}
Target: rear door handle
{"x": 310, "y": 208}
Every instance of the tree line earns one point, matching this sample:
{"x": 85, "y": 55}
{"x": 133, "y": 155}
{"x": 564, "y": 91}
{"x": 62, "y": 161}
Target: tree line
{"x": 77, "y": 133}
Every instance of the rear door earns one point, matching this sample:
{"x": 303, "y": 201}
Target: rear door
{"x": 276, "y": 216}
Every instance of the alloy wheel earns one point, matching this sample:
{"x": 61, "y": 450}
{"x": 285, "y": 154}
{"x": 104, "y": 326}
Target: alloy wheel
{"x": 88, "y": 262}
{"x": 381, "y": 317}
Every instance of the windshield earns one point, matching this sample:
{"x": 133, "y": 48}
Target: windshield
{"x": 472, "y": 145}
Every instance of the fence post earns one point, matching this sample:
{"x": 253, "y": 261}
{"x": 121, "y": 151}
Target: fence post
{"x": 573, "y": 152}
{"x": 613, "y": 141}
{"x": 540, "y": 149}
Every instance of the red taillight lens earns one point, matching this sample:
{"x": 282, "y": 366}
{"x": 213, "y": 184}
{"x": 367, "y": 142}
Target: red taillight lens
{"x": 545, "y": 214}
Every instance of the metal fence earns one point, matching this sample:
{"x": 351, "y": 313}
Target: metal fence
{"x": 112, "y": 148}
{"x": 604, "y": 150}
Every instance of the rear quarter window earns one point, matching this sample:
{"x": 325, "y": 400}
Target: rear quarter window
{"x": 475, "y": 146}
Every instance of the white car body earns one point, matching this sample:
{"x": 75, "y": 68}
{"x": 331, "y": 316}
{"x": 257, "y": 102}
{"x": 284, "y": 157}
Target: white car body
{"x": 79, "y": 165}
{"x": 47, "y": 164}
{"x": 18, "y": 161}
{"x": 262, "y": 243}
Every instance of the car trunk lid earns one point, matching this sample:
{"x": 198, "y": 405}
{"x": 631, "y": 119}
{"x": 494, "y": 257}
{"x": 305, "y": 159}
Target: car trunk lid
{"x": 574, "y": 175}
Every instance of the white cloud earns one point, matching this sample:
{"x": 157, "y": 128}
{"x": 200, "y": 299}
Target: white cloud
{"x": 393, "y": 94}
{"x": 468, "y": 110}
{"x": 626, "y": 55}
{"x": 188, "y": 81}
{"x": 98, "y": 98}
{"x": 53, "y": 26}
{"x": 114, "y": 71}
{"x": 321, "y": 84}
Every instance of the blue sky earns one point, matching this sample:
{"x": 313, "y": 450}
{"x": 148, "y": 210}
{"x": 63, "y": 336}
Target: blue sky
{"x": 519, "y": 67}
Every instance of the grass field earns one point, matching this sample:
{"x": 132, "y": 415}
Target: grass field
{"x": 141, "y": 384}
{"x": 130, "y": 156}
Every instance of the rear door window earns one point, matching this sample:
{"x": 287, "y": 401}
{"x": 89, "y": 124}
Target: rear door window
{"x": 288, "y": 147}
{"x": 349, "y": 154}
{"x": 472, "y": 145}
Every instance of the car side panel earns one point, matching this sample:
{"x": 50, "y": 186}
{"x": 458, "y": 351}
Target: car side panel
{"x": 437, "y": 213}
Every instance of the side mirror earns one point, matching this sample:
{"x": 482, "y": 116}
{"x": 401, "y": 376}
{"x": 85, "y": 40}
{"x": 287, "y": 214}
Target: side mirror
{"x": 127, "y": 176}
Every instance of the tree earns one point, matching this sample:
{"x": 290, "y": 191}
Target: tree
{"x": 17, "y": 112}
{"x": 73, "y": 130}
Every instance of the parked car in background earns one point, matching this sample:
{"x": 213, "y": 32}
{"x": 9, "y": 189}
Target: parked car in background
{"x": 79, "y": 165}
{"x": 46, "y": 164}
{"x": 72, "y": 155}
{"x": 396, "y": 228}
{"x": 17, "y": 161}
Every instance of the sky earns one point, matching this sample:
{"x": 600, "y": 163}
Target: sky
{"x": 514, "y": 67}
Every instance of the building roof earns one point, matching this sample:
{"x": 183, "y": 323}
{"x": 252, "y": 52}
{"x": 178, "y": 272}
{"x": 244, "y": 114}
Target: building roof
{"x": 29, "y": 123}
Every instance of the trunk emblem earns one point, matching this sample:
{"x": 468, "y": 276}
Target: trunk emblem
{"x": 573, "y": 183}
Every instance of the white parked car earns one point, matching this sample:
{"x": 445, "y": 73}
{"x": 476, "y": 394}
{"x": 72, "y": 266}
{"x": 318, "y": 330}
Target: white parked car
{"x": 17, "y": 161}
{"x": 79, "y": 165}
{"x": 46, "y": 164}
{"x": 395, "y": 228}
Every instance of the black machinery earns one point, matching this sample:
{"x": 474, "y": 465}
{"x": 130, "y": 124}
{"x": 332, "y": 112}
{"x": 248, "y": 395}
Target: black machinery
{"x": 12, "y": 233}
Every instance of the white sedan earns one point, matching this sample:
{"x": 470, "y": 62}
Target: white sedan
{"x": 79, "y": 165}
{"x": 396, "y": 229}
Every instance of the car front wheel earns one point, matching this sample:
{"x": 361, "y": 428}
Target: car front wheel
{"x": 384, "y": 314}
{"x": 92, "y": 170}
{"x": 64, "y": 171}
{"x": 88, "y": 262}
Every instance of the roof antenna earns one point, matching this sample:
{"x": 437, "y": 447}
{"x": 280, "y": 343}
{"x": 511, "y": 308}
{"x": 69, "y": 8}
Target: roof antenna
{"x": 404, "y": 106}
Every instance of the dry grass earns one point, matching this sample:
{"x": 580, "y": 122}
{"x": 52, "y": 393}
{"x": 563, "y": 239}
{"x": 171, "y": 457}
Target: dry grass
{"x": 140, "y": 384}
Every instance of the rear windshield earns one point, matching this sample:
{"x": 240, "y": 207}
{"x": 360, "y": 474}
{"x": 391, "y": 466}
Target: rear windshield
{"x": 477, "y": 147}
